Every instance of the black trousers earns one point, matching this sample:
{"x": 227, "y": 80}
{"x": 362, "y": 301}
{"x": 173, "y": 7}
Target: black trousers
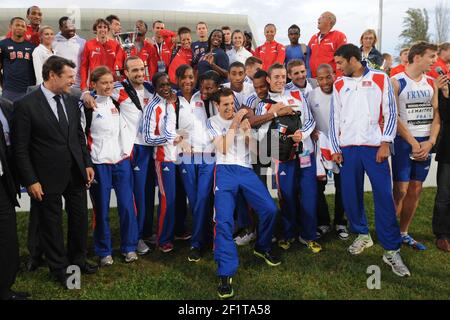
{"x": 323, "y": 215}
{"x": 441, "y": 212}
{"x": 9, "y": 244}
{"x": 51, "y": 225}
{"x": 33, "y": 244}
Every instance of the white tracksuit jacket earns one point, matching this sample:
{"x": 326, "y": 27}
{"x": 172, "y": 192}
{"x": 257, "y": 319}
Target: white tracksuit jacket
{"x": 192, "y": 120}
{"x": 363, "y": 111}
{"x": 159, "y": 128}
{"x": 108, "y": 137}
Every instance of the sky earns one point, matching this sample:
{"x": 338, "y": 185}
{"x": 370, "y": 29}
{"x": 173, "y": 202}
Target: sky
{"x": 353, "y": 16}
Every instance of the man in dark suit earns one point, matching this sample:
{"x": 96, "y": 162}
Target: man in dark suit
{"x": 36, "y": 254}
{"x": 9, "y": 188}
{"x": 50, "y": 151}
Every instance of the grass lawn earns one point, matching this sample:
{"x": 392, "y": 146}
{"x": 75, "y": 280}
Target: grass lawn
{"x": 331, "y": 274}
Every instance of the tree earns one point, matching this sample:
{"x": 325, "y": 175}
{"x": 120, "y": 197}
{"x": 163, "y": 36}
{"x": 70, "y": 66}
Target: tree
{"x": 442, "y": 15}
{"x": 415, "y": 27}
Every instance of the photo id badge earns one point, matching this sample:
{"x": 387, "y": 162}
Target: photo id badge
{"x": 305, "y": 159}
{"x": 161, "y": 66}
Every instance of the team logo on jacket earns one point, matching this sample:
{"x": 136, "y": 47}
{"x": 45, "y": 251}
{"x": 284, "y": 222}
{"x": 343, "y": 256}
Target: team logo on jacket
{"x": 291, "y": 101}
{"x": 146, "y": 101}
{"x": 199, "y": 104}
{"x": 367, "y": 84}
{"x": 114, "y": 111}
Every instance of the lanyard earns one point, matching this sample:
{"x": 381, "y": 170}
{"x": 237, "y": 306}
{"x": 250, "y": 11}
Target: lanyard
{"x": 159, "y": 49}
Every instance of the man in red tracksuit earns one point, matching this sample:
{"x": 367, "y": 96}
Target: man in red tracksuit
{"x": 442, "y": 61}
{"x": 144, "y": 49}
{"x": 325, "y": 43}
{"x": 271, "y": 51}
{"x": 163, "y": 41}
{"x": 100, "y": 51}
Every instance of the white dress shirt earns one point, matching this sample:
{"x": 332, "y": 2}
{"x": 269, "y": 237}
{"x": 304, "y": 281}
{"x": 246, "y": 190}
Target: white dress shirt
{"x": 52, "y": 102}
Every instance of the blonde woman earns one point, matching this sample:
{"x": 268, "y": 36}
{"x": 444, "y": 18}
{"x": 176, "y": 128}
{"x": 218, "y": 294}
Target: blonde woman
{"x": 43, "y": 51}
{"x": 238, "y": 52}
{"x": 371, "y": 55}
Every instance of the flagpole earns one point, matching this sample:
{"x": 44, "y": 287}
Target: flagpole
{"x": 380, "y": 24}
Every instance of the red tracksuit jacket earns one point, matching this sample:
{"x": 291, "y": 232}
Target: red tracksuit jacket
{"x": 97, "y": 54}
{"x": 269, "y": 53}
{"x": 322, "y": 50}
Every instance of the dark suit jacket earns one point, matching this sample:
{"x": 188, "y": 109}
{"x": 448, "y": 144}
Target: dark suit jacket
{"x": 9, "y": 174}
{"x": 41, "y": 150}
{"x": 73, "y": 91}
{"x": 443, "y": 147}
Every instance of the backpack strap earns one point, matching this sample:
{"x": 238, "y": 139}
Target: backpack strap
{"x": 132, "y": 94}
{"x": 304, "y": 49}
{"x": 177, "y": 113}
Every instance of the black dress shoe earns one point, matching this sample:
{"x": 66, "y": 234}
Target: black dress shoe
{"x": 88, "y": 268}
{"x": 22, "y": 294}
{"x": 13, "y": 296}
{"x": 33, "y": 264}
{"x": 61, "y": 277}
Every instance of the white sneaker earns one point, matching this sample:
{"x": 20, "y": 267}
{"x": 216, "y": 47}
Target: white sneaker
{"x": 394, "y": 259}
{"x": 342, "y": 232}
{"x": 142, "y": 248}
{"x": 106, "y": 261}
{"x": 130, "y": 256}
{"x": 362, "y": 242}
{"x": 245, "y": 238}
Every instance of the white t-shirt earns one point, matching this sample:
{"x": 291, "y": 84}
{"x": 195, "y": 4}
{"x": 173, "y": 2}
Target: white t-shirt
{"x": 241, "y": 55}
{"x": 238, "y": 153}
{"x": 320, "y": 104}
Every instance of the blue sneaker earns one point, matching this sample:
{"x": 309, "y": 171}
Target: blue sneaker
{"x": 407, "y": 239}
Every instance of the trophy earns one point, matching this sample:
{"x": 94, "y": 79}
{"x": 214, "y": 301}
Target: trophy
{"x": 126, "y": 40}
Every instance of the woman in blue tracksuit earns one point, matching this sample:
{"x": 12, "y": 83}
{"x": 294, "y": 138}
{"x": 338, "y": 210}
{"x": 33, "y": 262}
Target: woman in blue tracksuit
{"x": 110, "y": 143}
{"x": 197, "y": 160}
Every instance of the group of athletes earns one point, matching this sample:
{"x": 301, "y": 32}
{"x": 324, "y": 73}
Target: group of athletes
{"x": 203, "y": 123}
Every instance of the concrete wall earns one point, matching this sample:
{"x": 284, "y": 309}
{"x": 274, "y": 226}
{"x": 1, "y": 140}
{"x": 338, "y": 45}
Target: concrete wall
{"x": 172, "y": 19}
